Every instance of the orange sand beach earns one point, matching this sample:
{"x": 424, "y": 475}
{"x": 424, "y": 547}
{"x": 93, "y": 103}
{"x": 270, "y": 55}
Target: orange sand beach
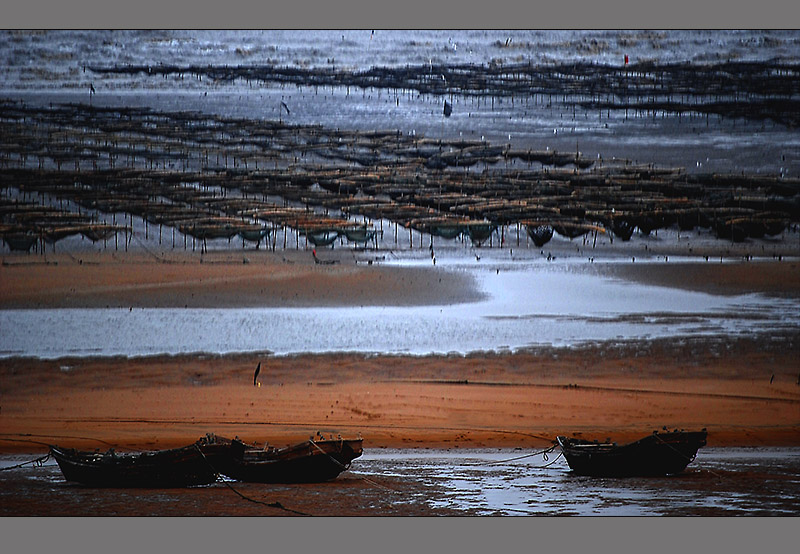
{"x": 745, "y": 391}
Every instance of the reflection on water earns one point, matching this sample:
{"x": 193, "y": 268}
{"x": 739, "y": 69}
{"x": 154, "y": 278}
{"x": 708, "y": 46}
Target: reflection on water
{"x": 526, "y": 306}
{"x": 720, "y": 482}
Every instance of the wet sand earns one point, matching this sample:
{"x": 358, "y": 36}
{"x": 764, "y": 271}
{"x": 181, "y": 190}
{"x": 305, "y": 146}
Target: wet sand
{"x": 770, "y": 278}
{"x": 219, "y": 279}
{"x": 519, "y": 399}
{"x": 291, "y": 278}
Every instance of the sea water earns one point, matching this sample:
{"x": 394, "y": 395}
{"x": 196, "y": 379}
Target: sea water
{"x": 525, "y": 306}
{"x": 52, "y": 67}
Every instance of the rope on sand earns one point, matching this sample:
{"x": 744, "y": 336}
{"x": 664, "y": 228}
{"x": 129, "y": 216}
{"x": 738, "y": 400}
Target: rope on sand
{"x": 25, "y": 440}
{"x": 340, "y": 464}
{"x": 49, "y": 436}
{"x": 534, "y": 435}
{"x": 268, "y": 504}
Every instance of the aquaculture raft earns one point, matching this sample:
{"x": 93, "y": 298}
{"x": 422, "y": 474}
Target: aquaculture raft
{"x": 74, "y": 169}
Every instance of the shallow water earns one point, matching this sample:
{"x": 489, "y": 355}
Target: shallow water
{"x": 720, "y": 482}
{"x": 50, "y": 67}
{"x": 36, "y": 59}
{"x": 526, "y": 305}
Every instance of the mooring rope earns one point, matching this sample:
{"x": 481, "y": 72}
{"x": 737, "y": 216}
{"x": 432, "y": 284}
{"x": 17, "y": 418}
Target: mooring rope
{"x": 25, "y": 440}
{"x": 38, "y": 461}
{"x": 551, "y": 463}
{"x": 691, "y": 459}
{"x": 268, "y": 504}
{"x": 340, "y": 464}
{"x": 542, "y": 453}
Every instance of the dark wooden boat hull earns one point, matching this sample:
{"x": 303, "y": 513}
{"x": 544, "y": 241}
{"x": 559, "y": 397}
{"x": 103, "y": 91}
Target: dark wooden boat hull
{"x": 180, "y": 467}
{"x": 307, "y": 462}
{"x": 658, "y": 454}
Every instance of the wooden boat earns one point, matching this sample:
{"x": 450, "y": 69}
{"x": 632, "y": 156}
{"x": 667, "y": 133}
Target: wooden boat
{"x": 662, "y": 453}
{"x": 179, "y": 467}
{"x": 312, "y": 461}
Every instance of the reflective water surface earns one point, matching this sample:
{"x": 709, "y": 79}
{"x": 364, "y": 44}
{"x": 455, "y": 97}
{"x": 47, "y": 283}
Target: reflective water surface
{"x": 55, "y": 66}
{"x": 721, "y": 481}
{"x": 525, "y": 306}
